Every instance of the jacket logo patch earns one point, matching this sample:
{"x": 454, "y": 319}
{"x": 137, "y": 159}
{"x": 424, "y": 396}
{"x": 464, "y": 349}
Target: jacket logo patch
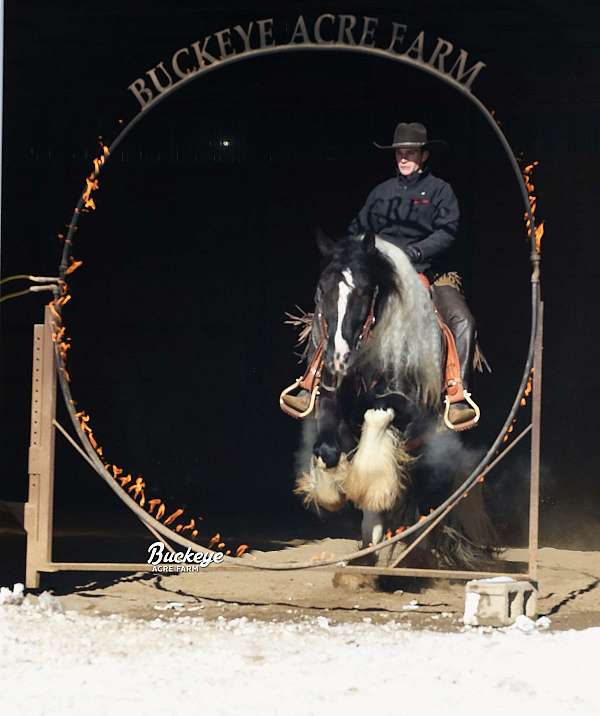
{"x": 420, "y": 201}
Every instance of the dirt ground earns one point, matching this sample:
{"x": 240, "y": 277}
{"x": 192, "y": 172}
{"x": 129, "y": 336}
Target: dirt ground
{"x": 569, "y": 593}
{"x": 569, "y": 585}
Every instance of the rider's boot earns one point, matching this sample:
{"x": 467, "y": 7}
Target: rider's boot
{"x": 453, "y": 308}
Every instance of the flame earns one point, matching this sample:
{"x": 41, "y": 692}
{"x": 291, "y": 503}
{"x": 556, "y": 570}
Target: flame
{"x": 74, "y": 265}
{"x": 160, "y": 512}
{"x": 91, "y": 181}
{"x": 214, "y": 539}
{"x": 171, "y": 518}
{"x": 152, "y": 504}
{"x": 399, "y": 530}
{"x": 388, "y": 534}
{"x": 240, "y": 550}
{"x": 53, "y": 311}
{"x": 138, "y": 490}
{"x": 530, "y": 186}
{"x": 62, "y": 300}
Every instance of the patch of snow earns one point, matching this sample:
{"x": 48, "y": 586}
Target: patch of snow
{"x": 49, "y": 603}
{"x": 12, "y": 596}
{"x": 471, "y": 607}
{"x": 50, "y": 660}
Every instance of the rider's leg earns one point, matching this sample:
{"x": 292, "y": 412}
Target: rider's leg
{"x": 454, "y": 311}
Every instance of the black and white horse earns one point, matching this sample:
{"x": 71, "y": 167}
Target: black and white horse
{"x": 379, "y": 396}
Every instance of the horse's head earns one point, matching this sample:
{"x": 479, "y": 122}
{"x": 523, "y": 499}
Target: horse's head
{"x": 350, "y": 294}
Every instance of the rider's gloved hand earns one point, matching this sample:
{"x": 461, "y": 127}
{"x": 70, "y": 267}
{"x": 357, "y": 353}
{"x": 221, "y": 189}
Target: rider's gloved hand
{"x": 414, "y": 253}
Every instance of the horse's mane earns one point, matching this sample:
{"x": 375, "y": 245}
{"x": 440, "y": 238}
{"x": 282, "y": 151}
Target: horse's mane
{"x": 405, "y": 343}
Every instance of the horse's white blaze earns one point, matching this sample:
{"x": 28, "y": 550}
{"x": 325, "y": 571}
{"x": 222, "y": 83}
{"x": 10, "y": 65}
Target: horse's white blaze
{"x": 341, "y": 345}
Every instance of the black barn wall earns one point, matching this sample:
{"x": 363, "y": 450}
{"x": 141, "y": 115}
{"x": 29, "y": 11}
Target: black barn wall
{"x": 196, "y": 251}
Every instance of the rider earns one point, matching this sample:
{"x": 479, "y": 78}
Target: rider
{"x": 419, "y": 213}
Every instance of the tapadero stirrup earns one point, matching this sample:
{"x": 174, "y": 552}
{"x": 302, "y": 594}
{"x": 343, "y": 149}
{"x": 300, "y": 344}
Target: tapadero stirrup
{"x": 302, "y": 405}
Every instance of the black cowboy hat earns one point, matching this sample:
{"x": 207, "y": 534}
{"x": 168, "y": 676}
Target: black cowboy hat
{"x": 411, "y": 136}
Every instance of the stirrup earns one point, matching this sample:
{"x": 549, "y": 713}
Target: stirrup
{"x": 289, "y": 408}
{"x": 468, "y": 424}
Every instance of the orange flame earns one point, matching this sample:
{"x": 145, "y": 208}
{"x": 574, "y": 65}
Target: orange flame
{"x": 152, "y": 504}
{"x": 240, "y": 550}
{"x": 74, "y": 265}
{"x": 530, "y": 186}
{"x": 171, "y": 518}
{"x": 91, "y": 182}
{"x": 138, "y": 490}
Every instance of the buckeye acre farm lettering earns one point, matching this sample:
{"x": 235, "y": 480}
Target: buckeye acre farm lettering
{"x": 261, "y": 36}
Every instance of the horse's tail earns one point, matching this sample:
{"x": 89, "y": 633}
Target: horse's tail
{"x": 467, "y": 539}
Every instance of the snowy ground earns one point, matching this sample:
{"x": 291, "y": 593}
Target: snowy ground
{"x": 68, "y": 663}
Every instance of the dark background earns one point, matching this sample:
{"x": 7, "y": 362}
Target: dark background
{"x": 195, "y": 251}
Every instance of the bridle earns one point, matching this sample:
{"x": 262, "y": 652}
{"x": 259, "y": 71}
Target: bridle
{"x": 312, "y": 380}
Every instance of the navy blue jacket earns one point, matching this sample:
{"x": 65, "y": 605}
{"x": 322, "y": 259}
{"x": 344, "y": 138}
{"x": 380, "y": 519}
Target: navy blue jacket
{"x": 419, "y": 210}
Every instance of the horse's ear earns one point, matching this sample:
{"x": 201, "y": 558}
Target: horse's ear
{"x": 325, "y": 245}
{"x": 368, "y": 242}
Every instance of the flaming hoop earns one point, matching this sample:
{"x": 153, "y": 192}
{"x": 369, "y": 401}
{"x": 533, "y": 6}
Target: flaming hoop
{"x": 175, "y": 524}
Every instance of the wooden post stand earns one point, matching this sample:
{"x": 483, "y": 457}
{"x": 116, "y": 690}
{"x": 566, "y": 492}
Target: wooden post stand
{"x": 39, "y": 508}
{"x": 38, "y": 512}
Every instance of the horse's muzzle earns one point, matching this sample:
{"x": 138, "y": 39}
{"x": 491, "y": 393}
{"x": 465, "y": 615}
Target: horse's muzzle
{"x": 336, "y": 371}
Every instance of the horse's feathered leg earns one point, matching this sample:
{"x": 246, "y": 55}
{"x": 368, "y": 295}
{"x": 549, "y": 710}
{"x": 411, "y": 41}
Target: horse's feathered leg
{"x": 322, "y": 487}
{"x": 322, "y": 476}
{"x": 378, "y": 469}
{"x": 327, "y": 446}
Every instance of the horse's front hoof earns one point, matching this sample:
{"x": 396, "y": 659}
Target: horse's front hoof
{"x": 329, "y": 454}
